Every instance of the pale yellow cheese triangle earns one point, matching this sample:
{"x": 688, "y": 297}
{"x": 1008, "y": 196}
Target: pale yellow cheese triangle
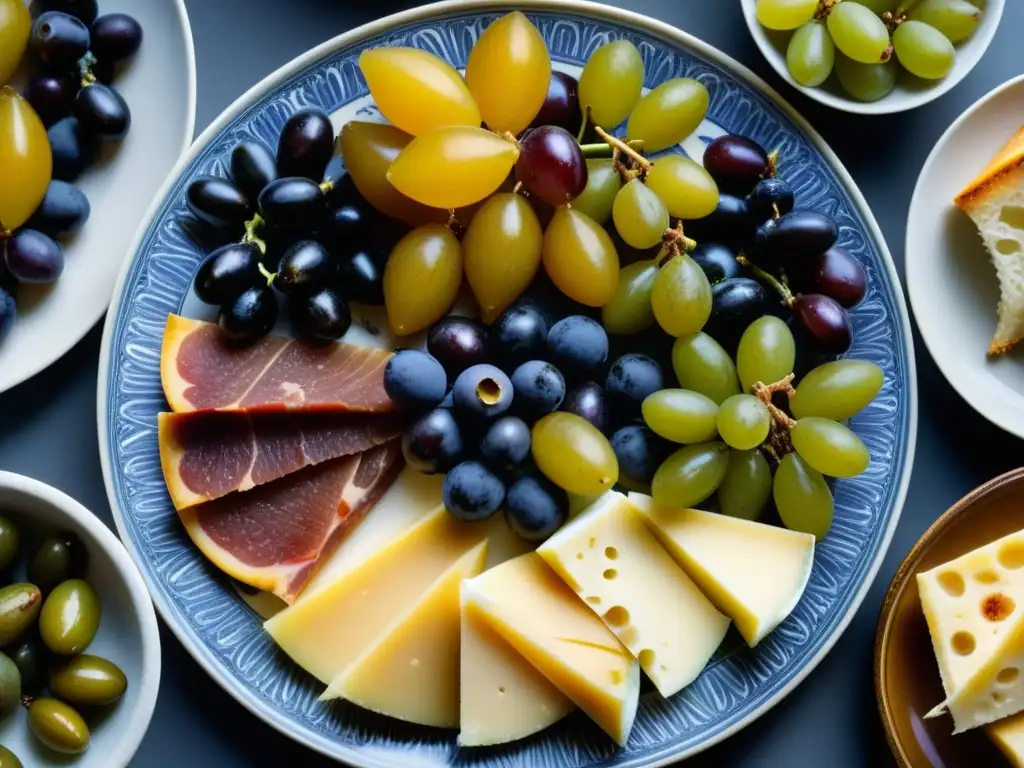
{"x": 1008, "y": 736}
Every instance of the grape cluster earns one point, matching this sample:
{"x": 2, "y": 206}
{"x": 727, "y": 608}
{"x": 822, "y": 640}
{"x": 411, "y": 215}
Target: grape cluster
{"x": 858, "y": 39}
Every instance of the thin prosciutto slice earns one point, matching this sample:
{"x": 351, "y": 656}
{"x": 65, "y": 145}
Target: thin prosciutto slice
{"x": 209, "y": 455}
{"x": 201, "y": 371}
{"x": 274, "y": 537}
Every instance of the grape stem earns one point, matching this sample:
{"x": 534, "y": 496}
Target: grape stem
{"x": 773, "y": 164}
{"x": 602, "y": 150}
{"x": 85, "y": 65}
{"x": 583, "y": 125}
{"x": 778, "y": 443}
{"x": 674, "y": 243}
{"x": 251, "y": 236}
{"x": 784, "y": 293}
{"x": 624, "y": 148}
{"x": 824, "y": 9}
{"x": 267, "y": 274}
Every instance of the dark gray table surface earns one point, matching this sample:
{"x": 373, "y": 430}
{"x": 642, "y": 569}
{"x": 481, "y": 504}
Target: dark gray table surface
{"x": 48, "y": 425}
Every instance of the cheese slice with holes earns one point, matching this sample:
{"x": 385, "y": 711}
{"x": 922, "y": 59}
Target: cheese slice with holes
{"x": 412, "y": 672}
{"x": 621, "y": 572}
{"x": 533, "y": 610}
{"x": 1008, "y": 736}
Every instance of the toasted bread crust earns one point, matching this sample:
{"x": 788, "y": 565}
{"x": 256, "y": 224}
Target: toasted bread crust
{"x": 1006, "y": 162}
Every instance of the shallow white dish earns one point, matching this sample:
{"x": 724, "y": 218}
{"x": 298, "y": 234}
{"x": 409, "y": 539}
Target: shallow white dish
{"x": 160, "y": 88}
{"x": 951, "y": 281}
{"x": 910, "y": 92}
{"x": 128, "y": 632}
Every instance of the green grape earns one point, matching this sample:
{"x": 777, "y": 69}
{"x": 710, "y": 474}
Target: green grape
{"x": 573, "y": 454}
{"x": 611, "y": 82}
{"x": 603, "y": 184}
{"x": 837, "y": 390}
{"x": 859, "y": 33}
{"x": 681, "y": 297}
{"x": 829, "y": 447}
{"x": 923, "y": 50}
{"x": 702, "y": 365}
{"x": 878, "y": 7}
{"x": 681, "y": 415}
{"x": 668, "y": 114}
{"x": 802, "y": 497}
{"x": 743, "y": 422}
{"x": 630, "y": 309}
{"x": 766, "y": 352}
{"x": 785, "y": 14}
{"x": 690, "y": 475}
{"x": 811, "y": 54}
{"x": 686, "y": 189}
{"x": 639, "y": 215}
{"x": 956, "y": 19}
{"x": 866, "y": 82}
{"x": 746, "y": 486}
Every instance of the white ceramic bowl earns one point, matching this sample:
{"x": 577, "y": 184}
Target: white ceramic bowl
{"x": 910, "y": 92}
{"x": 950, "y": 278}
{"x": 128, "y": 632}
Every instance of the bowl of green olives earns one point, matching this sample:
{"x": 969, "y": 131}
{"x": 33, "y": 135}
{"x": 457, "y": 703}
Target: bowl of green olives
{"x": 79, "y": 645}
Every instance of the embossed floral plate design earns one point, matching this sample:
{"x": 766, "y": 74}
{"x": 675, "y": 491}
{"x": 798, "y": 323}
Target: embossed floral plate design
{"x": 226, "y": 637}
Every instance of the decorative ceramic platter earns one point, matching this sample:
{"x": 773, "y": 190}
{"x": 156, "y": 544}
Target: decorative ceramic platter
{"x": 226, "y": 636}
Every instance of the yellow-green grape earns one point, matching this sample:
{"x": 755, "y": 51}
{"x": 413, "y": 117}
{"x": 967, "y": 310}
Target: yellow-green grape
{"x": 15, "y": 28}
{"x": 580, "y": 258}
{"x": 829, "y": 447}
{"x": 668, "y": 114}
{"x": 681, "y": 297}
{"x": 452, "y": 167}
{"x": 611, "y": 82}
{"x": 837, "y": 390}
{"x": 923, "y": 50}
{"x": 956, "y": 19}
{"x": 630, "y": 309}
{"x": 811, "y": 54}
{"x": 802, "y": 497}
{"x": 866, "y": 82}
{"x": 785, "y": 14}
{"x": 26, "y": 163}
{"x": 766, "y": 352}
{"x": 743, "y": 422}
{"x": 859, "y": 33}
{"x": 508, "y": 73}
{"x": 573, "y": 454}
{"x": 690, "y": 475}
{"x": 422, "y": 278}
{"x": 702, "y": 365}
{"x": 639, "y": 215}
{"x": 501, "y": 252}
{"x": 686, "y": 189}
{"x": 603, "y": 184}
{"x": 681, "y": 415}
{"x": 417, "y": 91}
{"x": 747, "y": 485}
{"x": 878, "y": 7}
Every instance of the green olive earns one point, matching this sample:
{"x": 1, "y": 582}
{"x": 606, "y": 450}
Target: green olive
{"x": 10, "y": 540}
{"x": 10, "y": 686}
{"x": 51, "y": 564}
{"x": 8, "y": 759}
{"x": 29, "y": 657}
{"x": 19, "y": 607}
{"x": 88, "y": 680}
{"x": 58, "y": 726}
{"x": 70, "y": 617}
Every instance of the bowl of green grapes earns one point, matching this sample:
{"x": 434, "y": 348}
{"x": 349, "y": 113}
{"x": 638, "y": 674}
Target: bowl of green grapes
{"x": 873, "y": 56}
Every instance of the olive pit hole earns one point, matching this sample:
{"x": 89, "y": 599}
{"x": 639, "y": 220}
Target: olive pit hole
{"x": 489, "y": 391}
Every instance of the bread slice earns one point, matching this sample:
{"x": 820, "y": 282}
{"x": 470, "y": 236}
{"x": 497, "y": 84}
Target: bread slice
{"x": 995, "y": 202}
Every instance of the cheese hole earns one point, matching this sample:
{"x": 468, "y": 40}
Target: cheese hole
{"x": 646, "y": 658}
{"x": 952, "y": 583}
{"x": 997, "y": 606}
{"x": 611, "y": 553}
{"x": 610, "y": 574}
{"x": 501, "y": 690}
{"x": 594, "y": 600}
{"x": 987, "y": 576}
{"x": 997, "y": 696}
{"x": 1008, "y": 676}
{"x": 617, "y": 616}
{"x": 579, "y": 555}
{"x": 1012, "y": 215}
{"x": 592, "y": 542}
{"x": 1006, "y": 246}
{"x": 1011, "y": 555}
{"x": 963, "y": 643}
{"x": 616, "y": 677}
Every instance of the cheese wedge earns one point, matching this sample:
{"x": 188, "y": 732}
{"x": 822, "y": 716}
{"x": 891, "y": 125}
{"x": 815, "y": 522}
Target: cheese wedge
{"x": 752, "y": 572}
{"x": 412, "y": 672}
{"x": 326, "y": 630}
{"x": 621, "y": 572}
{"x": 1008, "y": 736}
{"x": 526, "y": 603}
{"x": 503, "y": 698}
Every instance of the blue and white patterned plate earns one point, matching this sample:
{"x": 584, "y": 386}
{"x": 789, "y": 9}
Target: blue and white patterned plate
{"x": 226, "y": 637}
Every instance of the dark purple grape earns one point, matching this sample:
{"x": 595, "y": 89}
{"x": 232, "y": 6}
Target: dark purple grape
{"x": 102, "y": 112}
{"x": 250, "y": 315}
{"x": 736, "y": 163}
{"x": 63, "y": 211}
{"x": 730, "y": 223}
{"x": 85, "y": 11}
{"x": 735, "y": 304}
{"x": 824, "y": 322}
{"x": 115, "y": 37}
{"x": 539, "y": 389}
{"x": 834, "y": 273}
{"x": 33, "y": 257}
{"x": 218, "y": 202}
{"x": 292, "y": 202}
{"x": 362, "y": 276}
{"x": 304, "y": 268}
{"x": 472, "y": 492}
{"x": 587, "y": 401}
{"x": 794, "y": 238}
{"x": 52, "y": 96}
{"x": 561, "y": 105}
{"x": 433, "y": 443}
{"x": 518, "y": 335}
{"x": 321, "y": 316}
{"x": 59, "y": 40}
{"x": 104, "y": 71}
{"x": 640, "y": 452}
{"x": 253, "y": 167}
{"x": 535, "y": 508}
{"x": 228, "y": 272}
{"x": 413, "y": 379}
{"x": 630, "y": 380}
{"x": 717, "y": 261}
{"x": 8, "y": 312}
{"x": 306, "y": 145}
{"x": 73, "y": 150}
{"x": 506, "y": 443}
{"x": 551, "y": 165}
{"x": 457, "y": 343}
{"x": 481, "y": 393}
{"x": 8, "y": 282}
{"x": 770, "y": 198}
{"x": 578, "y": 346}
{"x": 347, "y": 227}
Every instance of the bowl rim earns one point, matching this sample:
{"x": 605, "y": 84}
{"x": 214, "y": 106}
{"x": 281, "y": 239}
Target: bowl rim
{"x": 898, "y": 585}
{"x": 884, "y": 106}
{"x": 627, "y": 18}
{"x": 138, "y": 719}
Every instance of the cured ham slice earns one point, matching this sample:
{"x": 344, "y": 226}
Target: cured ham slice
{"x": 209, "y": 455}
{"x": 274, "y": 537}
{"x": 201, "y": 371}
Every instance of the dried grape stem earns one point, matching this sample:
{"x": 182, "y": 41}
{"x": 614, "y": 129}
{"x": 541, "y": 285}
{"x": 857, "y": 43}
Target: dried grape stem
{"x": 674, "y": 243}
{"x": 778, "y": 443}
{"x": 624, "y": 147}
{"x": 824, "y": 9}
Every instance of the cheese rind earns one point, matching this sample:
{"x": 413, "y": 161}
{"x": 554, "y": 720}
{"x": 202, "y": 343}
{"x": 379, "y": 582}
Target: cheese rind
{"x": 528, "y": 605}
{"x": 1008, "y": 736}
{"x": 752, "y": 572}
{"x": 623, "y": 575}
